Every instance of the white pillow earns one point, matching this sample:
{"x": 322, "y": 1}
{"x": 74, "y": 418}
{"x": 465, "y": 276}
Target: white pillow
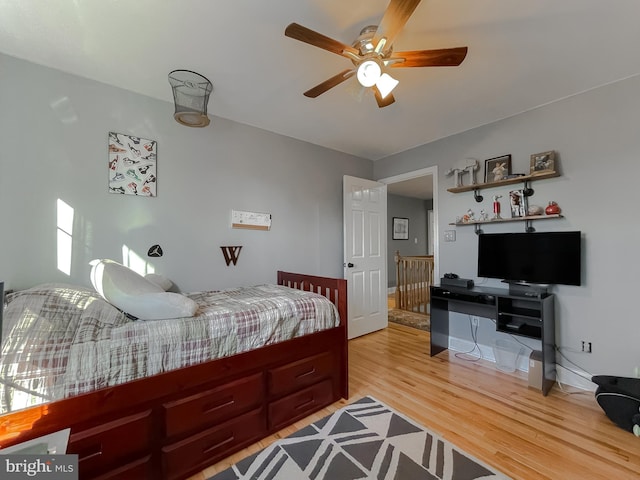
{"x": 132, "y": 293}
{"x": 163, "y": 282}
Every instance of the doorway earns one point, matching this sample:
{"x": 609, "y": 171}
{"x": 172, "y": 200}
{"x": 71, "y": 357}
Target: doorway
{"x": 363, "y": 304}
{"x": 421, "y": 184}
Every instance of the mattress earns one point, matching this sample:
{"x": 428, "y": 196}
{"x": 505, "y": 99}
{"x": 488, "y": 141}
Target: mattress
{"x": 62, "y": 340}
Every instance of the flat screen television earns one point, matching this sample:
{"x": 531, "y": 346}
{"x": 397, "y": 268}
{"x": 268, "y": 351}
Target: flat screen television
{"x": 538, "y": 257}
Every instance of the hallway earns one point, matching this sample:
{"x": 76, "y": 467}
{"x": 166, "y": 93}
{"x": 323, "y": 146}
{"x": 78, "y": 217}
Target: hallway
{"x": 409, "y": 319}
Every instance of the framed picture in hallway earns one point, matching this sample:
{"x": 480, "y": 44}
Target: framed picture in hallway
{"x": 400, "y": 228}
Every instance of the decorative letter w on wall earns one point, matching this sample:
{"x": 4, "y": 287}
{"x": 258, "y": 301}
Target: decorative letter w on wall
{"x": 231, "y": 254}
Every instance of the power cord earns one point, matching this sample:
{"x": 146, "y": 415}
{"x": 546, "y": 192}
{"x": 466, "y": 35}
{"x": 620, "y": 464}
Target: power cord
{"x": 559, "y": 350}
{"x": 470, "y": 356}
{"x": 514, "y": 337}
{"x": 580, "y": 374}
{"x": 521, "y": 343}
{"x": 474, "y": 336}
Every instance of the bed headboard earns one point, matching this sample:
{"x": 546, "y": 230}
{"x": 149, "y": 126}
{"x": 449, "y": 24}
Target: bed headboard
{"x": 335, "y": 289}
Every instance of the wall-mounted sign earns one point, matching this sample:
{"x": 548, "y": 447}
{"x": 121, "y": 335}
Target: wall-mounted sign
{"x": 250, "y": 220}
{"x": 231, "y": 254}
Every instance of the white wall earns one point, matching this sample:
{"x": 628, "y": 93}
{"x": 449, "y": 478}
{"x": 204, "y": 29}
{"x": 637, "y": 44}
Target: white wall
{"x": 596, "y": 137}
{"x": 54, "y": 129}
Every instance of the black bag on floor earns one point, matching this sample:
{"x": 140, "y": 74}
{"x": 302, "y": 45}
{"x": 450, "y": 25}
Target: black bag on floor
{"x": 619, "y": 397}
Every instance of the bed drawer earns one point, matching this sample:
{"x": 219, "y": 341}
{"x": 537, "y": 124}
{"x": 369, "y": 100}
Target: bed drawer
{"x": 206, "y": 448}
{"x": 206, "y": 408}
{"x": 103, "y": 447}
{"x": 136, "y": 470}
{"x": 302, "y": 373}
{"x": 300, "y": 404}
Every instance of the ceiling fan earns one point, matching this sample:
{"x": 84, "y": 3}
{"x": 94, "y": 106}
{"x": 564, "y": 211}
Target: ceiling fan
{"x": 372, "y": 53}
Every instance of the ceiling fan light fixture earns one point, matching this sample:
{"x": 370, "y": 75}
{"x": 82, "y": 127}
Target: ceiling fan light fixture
{"x": 386, "y": 83}
{"x": 372, "y": 52}
{"x": 368, "y": 73}
{"x": 191, "y": 95}
{"x": 381, "y": 45}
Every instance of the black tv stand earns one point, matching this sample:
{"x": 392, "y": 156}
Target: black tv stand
{"x": 523, "y": 315}
{"x": 526, "y": 289}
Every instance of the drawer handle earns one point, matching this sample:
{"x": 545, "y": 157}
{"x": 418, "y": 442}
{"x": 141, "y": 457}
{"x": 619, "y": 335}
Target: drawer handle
{"x": 219, "y": 444}
{"x": 306, "y": 404}
{"x": 208, "y": 409}
{"x": 306, "y": 374}
{"x": 90, "y": 453}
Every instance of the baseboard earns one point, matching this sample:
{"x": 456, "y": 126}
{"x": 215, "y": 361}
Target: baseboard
{"x": 567, "y": 377}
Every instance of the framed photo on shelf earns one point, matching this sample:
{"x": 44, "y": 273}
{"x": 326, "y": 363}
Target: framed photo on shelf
{"x": 544, "y": 162}
{"x": 400, "y": 228}
{"x": 496, "y": 169}
{"x": 518, "y": 203}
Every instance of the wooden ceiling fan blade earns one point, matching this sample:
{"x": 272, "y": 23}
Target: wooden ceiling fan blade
{"x": 306, "y": 35}
{"x": 394, "y": 19}
{"x": 383, "y": 102}
{"x": 330, "y": 83}
{"x": 444, "y": 57}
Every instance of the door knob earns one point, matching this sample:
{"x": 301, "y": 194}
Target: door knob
{"x": 350, "y": 265}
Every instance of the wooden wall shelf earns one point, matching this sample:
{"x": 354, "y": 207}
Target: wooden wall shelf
{"x": 527, "y": 218}
{"x": 509, "y": 181}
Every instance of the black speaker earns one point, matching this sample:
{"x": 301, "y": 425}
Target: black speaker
{"x": 457, "y": 282}
{"x": 619, "y": 397}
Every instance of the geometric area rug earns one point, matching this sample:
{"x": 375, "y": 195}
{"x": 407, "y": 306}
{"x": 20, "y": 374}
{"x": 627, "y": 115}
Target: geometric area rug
{"x": 364, "y": 440}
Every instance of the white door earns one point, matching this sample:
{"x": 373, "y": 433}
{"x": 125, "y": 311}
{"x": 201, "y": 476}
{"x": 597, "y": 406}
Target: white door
{"x": 365, "y": 254}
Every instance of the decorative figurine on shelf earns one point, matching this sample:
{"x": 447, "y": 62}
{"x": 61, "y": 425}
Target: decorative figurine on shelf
{"x": 457, "y": 175}
{"x": 469, "y": 217}
{"x": 552, "y": 209}
{"x": 484, "y": 216}
{"x": 496, "y": 207}
{"x": 472, "y": 169}
{"x": 499, "y": 172}
{"x": 535, "y": 210}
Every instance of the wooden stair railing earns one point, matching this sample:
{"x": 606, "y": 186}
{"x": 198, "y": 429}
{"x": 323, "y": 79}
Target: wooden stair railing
{"x": 414, "y": 277}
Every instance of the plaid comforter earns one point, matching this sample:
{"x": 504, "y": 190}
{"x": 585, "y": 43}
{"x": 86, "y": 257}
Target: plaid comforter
{"x": 62, "y": 340}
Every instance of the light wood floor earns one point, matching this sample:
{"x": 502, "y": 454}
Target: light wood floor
{"x": 490, "y": 414}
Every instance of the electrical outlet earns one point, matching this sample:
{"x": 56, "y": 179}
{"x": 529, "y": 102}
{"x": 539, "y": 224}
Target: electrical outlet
{"x": 587, "y": 347}
{"x": 449, "y": 235}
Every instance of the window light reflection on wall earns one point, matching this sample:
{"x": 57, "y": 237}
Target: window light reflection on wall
{"x": 135, "y": 262}
{"x": 65, "y": 215}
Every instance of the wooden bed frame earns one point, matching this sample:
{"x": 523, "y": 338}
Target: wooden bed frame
{"x": 175, "y": 424}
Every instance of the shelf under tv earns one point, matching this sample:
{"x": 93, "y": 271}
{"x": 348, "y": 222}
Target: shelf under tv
{"x": 513, "y": 219}
{"x": 527, "y": 222}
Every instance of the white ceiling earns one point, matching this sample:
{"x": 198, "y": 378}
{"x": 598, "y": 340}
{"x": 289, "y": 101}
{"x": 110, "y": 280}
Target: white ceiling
{"x": 419, "y": 187}
{"x": 522, "y": 54}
